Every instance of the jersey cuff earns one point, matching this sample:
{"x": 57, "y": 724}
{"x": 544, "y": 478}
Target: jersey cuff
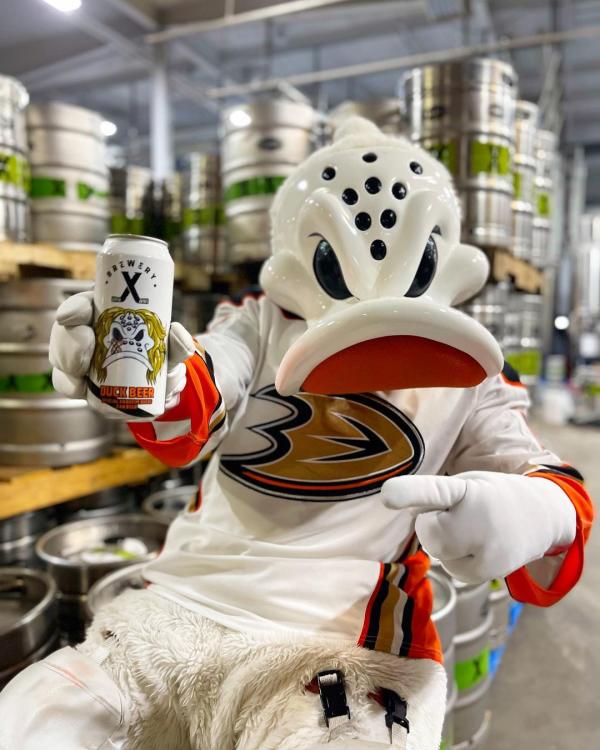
{"x": 200, "y": 403}
{"x": 521, "y": 584}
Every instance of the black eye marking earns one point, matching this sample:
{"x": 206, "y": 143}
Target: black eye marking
{"x": 387, "y": 218}
{"x": 436, "y": 230}
{"x": 139, "y": 335}
{"x": 378, "y": 249}
{"x": 370, "y": 157}
{"x": 328, "y": 173}
{"x": 329, "y": 272}
{"x": 373, "y": 185}
{"x": 362, "y": 221}
{"x": 399, "y": 190}
{"x": 117, "y": 335}
{"x": 350, "y": 196}
{"x": 425, "y": 271}
{"x": 416, "y": 167}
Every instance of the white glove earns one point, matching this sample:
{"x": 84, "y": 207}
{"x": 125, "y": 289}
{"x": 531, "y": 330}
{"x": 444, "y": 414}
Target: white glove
{"x": 482, "y": 524}
{"x": 72, "y": 346}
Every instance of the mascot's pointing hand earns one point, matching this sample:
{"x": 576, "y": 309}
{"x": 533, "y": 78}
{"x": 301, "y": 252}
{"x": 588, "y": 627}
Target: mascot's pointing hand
{"x": 484, "y": 525}
{"x": 72, "y": 344}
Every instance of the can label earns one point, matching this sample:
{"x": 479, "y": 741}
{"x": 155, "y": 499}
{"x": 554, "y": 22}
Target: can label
{"x": 132, "y": 300}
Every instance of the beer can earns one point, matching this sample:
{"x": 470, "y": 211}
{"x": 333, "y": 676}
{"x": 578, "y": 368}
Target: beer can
{"x": 133, "y": 295}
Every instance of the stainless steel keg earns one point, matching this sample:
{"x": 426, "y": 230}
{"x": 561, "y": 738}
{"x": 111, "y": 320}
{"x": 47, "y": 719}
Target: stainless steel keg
{"x": 69, "y": 176}
{"x": 130, "y": 194}
{"x": 167, "y": 504}
{"x": 388, "y": 114}
{"x": 113, "y": 584}
{"x": 545, "y": 156}
{"x": 489, "y": 309}
{"x": 444, "y": 617}
{"x": 14, "y": 164}
{"x": 523, "y": 335}
{"x": 526, "y": 118}
{"x": 27, "y": 617}
{"x": 37, "y": 425}
{"x": 464, "y": 113}
{"x": 262, "y": 143}
{"x": 18, "y": 535}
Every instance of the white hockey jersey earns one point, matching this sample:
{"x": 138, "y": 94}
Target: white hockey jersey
{"x": 290, "y": 532}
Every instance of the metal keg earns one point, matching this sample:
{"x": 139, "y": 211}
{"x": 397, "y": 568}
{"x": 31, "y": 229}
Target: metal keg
{"x": 69, "y": 182}
{"x": 545, "y": 158}
{"x": 167, "y": 504}
{"x": 130, "y": 192}
{"x": 262, "y": 143}
{"x": 203, "y": 219}
{"x": 472, "y": 719}
{"x": 448, "y": 726}
{"x": 113, "y": 584}
{"x": 109, "y": 502}
{"x": 464, "y": 113}
{"x": 489, "y": 309}
{"x": 523, "y": 340}
{"x": 388, "y": 114}
{"x": 526, "y": 118}
{"x": 18, "y": 535}
{"x": 444, "y": 617}
{"x": 473, "y": 625}
{"x": 79, "y": 553}
{"x": 37, "y": 425}
{"x": 14, "y": 165}
{"x": 196, "y": 309}
{"x": 27, "y": 618}
{"x": 500, "y": 609}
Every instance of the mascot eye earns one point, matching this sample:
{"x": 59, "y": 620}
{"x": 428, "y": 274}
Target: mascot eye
{"x": 139, "y": 336}
{"x": 117, "y": 334}
{"x": 329, "y": 272}
{"x": 425, "y": 271}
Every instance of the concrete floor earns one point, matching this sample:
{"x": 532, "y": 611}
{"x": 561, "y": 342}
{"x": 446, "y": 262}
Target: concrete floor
{"x": 547, "y": 693}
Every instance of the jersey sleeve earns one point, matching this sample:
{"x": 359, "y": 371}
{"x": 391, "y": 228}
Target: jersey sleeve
{"x": 217, "y": 377}
{"x": 496, "y": 437}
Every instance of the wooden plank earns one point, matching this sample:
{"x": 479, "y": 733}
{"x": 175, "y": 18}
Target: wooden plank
{"x": 525, "y": 277}
{"x": 18, "y": 260}
{"x": 32, "y": 489}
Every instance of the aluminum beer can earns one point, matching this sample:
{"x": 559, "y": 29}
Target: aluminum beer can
{"x": 133, "y": 294}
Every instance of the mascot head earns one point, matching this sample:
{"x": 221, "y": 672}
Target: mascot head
{"x": 129, "y": 334}
{"x": 366, "y": 248}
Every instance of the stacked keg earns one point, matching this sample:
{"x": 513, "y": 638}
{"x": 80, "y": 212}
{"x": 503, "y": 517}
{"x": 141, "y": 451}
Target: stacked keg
{"x": 522, "y": 342}
{"x": 69, "y": 176}
{"x": 388, "y": 114}
{"x": 489, "y": 309}
{"x": 129, "y": 194}
{"x": 444, "y": 617}
{"x": 28, "y": 628}
{"x": 474, "y": 622}
{"x": 203, "y": 221}
{"x": 499, "y": 601}
{"x": 79, "y": 553}
{"x": 168, "y": 503}
{"x": 262, "y": 143}
{"x": 37, "y": 425}
{"x": 524, "y": 176}
{"x": 18, "y": 535}
{"x": 545, "y": 158}
{"x": 14, "y": 165}
{"x": 464, "y": 113}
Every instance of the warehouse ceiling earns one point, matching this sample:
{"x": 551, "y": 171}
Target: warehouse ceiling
{"x": 101, "y": 55}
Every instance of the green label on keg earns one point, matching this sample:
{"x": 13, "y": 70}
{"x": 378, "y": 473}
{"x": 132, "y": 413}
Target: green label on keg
{"x": 591, "y": 389}
{"x": 495, "y": 584}
{"x": 14, "y": 170}
{"x": 543, "y": 204}
{"x": 207, "y": 216}
{"x": 33, "y": 383}
{"x": 85, "y": 192}
{"x": 489, "y": 158}
{"x": 119, "y": 224}
{"x": 47, "y": 187}
{"x": 254, "y": 186}
{"x": 525, "y": 362}
{"x": 517, "y": 184}
{"x": 447, "y": 153}
{"x": 469, "y": 673}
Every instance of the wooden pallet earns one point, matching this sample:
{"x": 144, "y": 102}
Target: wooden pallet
{"x": 505, "y": 267}
{"x": 25, "y": 489}
{"x": 21, "y": 260}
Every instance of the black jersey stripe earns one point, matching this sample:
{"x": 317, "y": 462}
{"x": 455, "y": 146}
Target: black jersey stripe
{"x": 568, "y": 471}
{"x": 510, "y": 373}
{"x": 375, "y": 615}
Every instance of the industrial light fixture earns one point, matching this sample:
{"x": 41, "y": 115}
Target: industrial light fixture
{"x": 108, "y": 128}
{"x": 239, "y": 118}
{"x": 561, "y": 322}
{"x": 65, "y": 6}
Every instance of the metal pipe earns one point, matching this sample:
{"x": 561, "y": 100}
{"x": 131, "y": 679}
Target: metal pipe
{"x": 407, "y": 61}
{"x": 161, "y": 142}
{"x": 236, "y": 19}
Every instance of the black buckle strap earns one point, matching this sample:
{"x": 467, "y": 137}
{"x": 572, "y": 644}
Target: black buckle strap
{"x": 395, "y": 709}
{"x": 333, "y": 694}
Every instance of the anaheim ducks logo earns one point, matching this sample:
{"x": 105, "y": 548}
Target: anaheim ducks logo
{"x": 327, "y": 447}
{"x": 129, "y": 334}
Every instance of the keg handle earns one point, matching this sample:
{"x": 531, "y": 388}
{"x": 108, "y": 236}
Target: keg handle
{"x": 13, "y": 588}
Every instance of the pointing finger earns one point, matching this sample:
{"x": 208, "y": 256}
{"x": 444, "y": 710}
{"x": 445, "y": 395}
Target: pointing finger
{"x": 423, "y": 494}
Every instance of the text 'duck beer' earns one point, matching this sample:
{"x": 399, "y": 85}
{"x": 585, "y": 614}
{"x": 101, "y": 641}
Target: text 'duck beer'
{"x": 132, "y": 312}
